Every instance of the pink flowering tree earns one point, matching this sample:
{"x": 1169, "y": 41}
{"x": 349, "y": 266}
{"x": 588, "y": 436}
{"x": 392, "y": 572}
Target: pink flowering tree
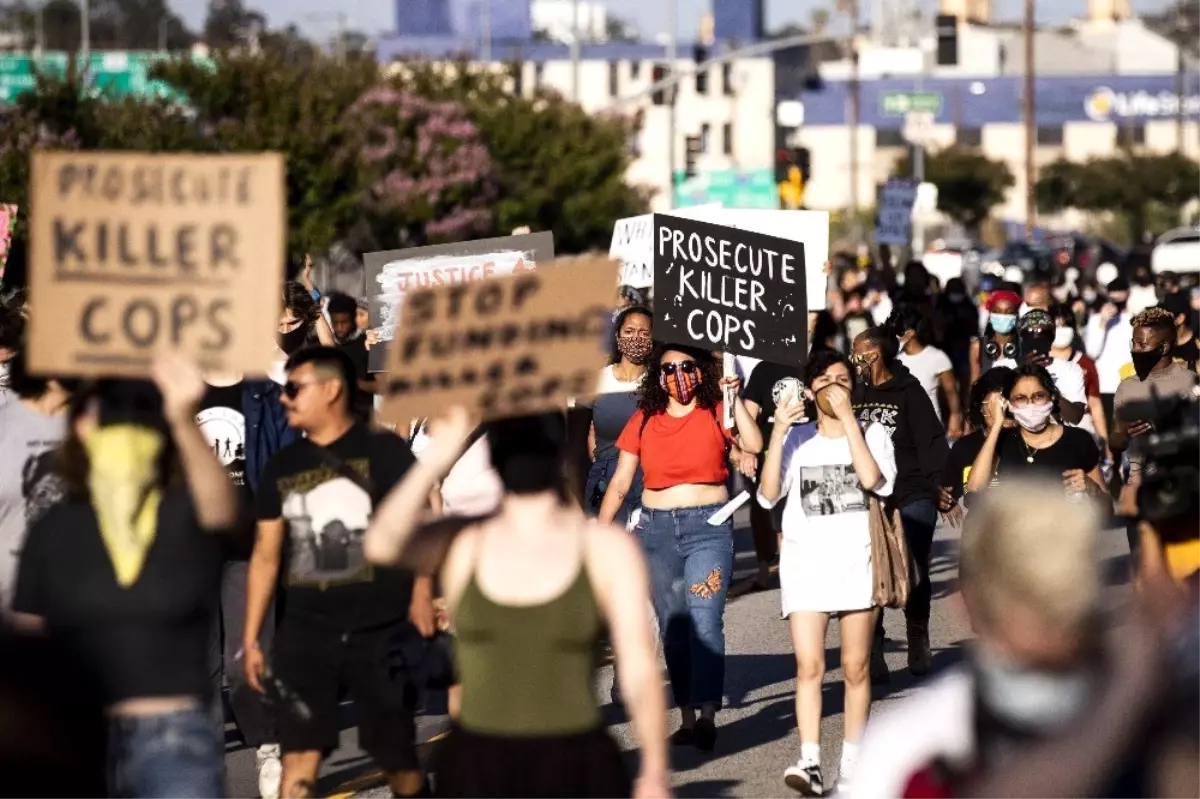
{"x": 424, "y": 173}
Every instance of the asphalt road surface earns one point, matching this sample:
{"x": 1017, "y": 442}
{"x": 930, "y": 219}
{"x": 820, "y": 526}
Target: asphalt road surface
{"x": 757, "y": 733}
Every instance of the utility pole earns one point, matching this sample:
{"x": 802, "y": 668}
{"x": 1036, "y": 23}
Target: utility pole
{"x": 855, "y": 114}
{"x": 672, "y": 47}
{"x": 1028, "y": 111}
{"x": 486, "y": 47}
{"x": 39, "y": 34}
{"x": 575, "y": 50}
{"x": 341, "y": 36}
{"x": 1181, "y": 29}
{"x": 85, "y": 29}
{"x": 162, "y": 34}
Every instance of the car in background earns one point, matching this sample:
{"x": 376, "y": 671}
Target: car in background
{"x": 1178, "y": 251}
{"x": 1035, "y": 260}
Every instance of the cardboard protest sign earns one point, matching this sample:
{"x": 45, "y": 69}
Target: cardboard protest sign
{"x": 633, "y": 244}
{"x": 506, "y": 346}
{"x": 391, "y": 274}
{"x": 132, "y": 253}
{"x": 8, "y": 226}
{"x": 721, "y": 288}
{"x": 809, "y": 227}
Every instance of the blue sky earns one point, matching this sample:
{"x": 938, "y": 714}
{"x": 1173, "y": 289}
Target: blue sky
{"x": 373, "y": 16}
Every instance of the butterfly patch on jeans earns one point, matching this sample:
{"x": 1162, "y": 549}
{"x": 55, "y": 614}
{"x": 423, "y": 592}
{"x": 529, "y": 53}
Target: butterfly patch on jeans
{"x": 710, "y": 587}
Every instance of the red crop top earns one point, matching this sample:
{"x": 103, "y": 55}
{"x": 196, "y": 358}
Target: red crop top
{"x": 679, "y": 450}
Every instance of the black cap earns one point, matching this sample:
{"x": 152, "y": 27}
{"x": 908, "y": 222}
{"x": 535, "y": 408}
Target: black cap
{"x": 1035, "y": 319}
{"x": 1117, "y": 284}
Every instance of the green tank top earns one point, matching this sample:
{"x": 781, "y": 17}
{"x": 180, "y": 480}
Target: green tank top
{"x": 527, "y": 670}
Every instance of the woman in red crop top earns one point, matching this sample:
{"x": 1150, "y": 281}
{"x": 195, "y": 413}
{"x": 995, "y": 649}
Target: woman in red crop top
{"x": 678, "y": 439}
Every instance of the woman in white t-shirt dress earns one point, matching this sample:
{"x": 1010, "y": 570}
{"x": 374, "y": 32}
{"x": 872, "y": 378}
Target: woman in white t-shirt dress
{"x": 825, "y": 563}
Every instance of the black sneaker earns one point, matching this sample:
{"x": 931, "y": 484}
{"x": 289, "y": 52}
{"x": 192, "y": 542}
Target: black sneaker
{"x": 920, "y": 658}
{"x": 684, "y": 736}
{"x": 805, "y": 779}
{"x": 705, "y": 733}
{"x": 879, "y": 667}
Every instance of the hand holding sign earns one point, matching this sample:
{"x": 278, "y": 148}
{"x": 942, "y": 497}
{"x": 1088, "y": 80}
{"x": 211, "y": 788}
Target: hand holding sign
{"x": 448, "y": 436}
{"x": 181, "y": 384}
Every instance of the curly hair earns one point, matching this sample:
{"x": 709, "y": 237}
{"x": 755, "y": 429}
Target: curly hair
{"x": 1157, "y": 319}
{"x": 1043, "y": 377}
{"x": 998, "y": 378}
{"x": 652, "y": 397}
{"x": 297, "y": 300}
{"x": 907, "y": 316}
{"x": 614, "y": 353}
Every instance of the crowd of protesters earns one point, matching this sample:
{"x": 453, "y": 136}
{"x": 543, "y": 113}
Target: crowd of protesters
{"x": 208, "y": 548}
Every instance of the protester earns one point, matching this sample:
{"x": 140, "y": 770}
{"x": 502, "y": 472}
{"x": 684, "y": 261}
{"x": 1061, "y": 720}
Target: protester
{"x": 962, "y": 326}
{"x": 998, "y": 344}
{"x": 302, "y": 324}
{"x": 1184, "y": 349}
{"x": 1107, "y": 338}
{"x": 615, "y": 403}
{"x": 1142, "y": 293}
{"x": 1030, "y": 584}
{"x": 769, "y": 385}
{"x": 338, "y": 614}
{"x": 680, "y": 442}
{"x": 32, "y": 425}
{"x": 1040, "y": 446}
{"x": 825, "y": 565}
{"x": 12, "y": 327}
{"x": 1035, "y": 338}
{"x": 888, "y": 394}
{"x": 927, "y": 363}
{"x": 134, "y": 599}
{"x": 1037, "y": 297}
{"x": 1158, "y": 379}
{"x": 995, "y": 383}
{"x": 343, "y": 313}
{"x": 530, "y": 588}
{"x": 222, "y": 421}
{"x": 1066, "y": 347}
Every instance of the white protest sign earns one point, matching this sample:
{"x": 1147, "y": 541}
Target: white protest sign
{"x": 633, "y": 245}
{"x": 896, "y": 201}
{"x": 811, "y": 228}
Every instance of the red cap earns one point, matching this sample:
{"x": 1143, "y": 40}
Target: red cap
{"x": 997, "y": 296}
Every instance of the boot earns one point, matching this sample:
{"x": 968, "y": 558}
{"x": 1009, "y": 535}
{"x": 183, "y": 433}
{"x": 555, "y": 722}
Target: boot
{"x": 879, "y": 667}
{"x": 920, "y": 659}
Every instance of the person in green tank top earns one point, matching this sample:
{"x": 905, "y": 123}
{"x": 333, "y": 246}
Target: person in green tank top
{"x": 530, "y": 588}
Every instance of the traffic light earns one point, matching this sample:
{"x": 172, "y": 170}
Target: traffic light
{"x": 791, "y": 174}
{"x": 694, "y": 145}
{"x": 658, "y": 74}
{"x": 947, "y": 40}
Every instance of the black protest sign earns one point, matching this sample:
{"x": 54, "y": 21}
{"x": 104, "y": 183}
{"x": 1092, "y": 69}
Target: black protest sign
{"x": 506, "y": 346}
{"x": 133, "y": 253}
{"x": 390, "y": 275}
{"x": 726, "y": 289}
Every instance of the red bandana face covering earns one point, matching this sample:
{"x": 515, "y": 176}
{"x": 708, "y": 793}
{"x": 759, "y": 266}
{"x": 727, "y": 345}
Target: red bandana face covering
{"x": 681, "y": 385}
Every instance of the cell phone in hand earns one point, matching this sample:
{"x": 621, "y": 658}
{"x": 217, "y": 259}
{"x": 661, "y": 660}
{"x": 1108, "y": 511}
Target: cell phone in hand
{"x": 279, "y": 696}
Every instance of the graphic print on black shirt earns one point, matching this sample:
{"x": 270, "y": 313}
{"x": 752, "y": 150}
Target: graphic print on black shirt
{"x": 41, "y": 487}
{"x": 829, "y": 490}
{"x": 326, "y": 577}
{"x": 766, "y": 386}
{"x": 221, "y": 422}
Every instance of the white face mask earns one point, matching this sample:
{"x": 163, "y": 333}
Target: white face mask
{"x": 1063, "y": 336}
{"x": 1030, "y": 698}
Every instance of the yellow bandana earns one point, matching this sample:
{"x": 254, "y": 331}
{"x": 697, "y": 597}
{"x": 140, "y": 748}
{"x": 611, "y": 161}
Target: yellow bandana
{"x": 123, "y": 471}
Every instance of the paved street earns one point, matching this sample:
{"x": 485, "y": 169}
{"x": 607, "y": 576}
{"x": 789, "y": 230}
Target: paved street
{"x": 757, "y": 729}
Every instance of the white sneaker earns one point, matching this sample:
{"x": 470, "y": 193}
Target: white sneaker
{"x": 805, "y": 778}
{"x": 270, "y": 771}
{"x": 845, "y": 781}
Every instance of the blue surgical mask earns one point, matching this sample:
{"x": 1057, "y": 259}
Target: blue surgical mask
{"x": 1003, "y": 323}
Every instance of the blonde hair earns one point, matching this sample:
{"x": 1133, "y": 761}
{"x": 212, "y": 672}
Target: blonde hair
{"x": 1028, "y": 543}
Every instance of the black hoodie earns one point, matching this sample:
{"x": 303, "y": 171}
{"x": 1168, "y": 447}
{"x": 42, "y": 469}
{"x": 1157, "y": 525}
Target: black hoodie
{"x": 903, "y": 407}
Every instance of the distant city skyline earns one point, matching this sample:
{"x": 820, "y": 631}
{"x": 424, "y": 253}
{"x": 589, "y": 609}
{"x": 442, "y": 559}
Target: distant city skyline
{"x": 317, "y": 17}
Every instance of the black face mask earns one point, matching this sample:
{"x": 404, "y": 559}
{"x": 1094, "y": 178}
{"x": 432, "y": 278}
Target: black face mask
{"x": 1035, "y": 346}
{"x": 293, "y": 340}
{"x": 1120, "y": 304}
{"x": 1144, "y": 362}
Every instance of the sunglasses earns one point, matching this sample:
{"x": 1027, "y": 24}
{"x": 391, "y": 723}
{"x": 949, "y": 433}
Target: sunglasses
{"x": 291, "y": 389}
{"x": 687, "y": 367}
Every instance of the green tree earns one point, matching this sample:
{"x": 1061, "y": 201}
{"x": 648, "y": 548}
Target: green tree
{"x": 1138, "y": 187}
{"x": 969, "y": 183}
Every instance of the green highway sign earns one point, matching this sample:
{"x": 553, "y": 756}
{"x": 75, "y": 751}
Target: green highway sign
{"x": 116, "y": 74}
{"x": 897, "y": 104}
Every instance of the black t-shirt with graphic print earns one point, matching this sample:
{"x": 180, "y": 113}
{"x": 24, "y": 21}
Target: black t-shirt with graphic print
{"x": 223, "y": 426}
{"x": 761, "y": 390}
{"x": 325, "y": 578}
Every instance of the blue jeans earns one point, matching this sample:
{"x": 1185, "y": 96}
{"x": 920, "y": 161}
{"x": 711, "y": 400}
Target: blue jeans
{"x": 920, "y": 520}
{"x": 597, "y": 483}
{"x": 691, "y": 563}
{"x": 176, "y": 754}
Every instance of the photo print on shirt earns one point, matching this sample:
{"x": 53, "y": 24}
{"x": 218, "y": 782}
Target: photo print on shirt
{"x": 327, "y": 516}
{"x": 830, "y": 490}
{"x": 722, "y": 288}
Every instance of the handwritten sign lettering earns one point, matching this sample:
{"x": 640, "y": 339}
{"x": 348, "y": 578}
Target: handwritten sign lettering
{"x": 391, "y": 275}
{"x": 730, "y": 290}
{"x": 133, "y": 253}
{"x": 507, "y": 346}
